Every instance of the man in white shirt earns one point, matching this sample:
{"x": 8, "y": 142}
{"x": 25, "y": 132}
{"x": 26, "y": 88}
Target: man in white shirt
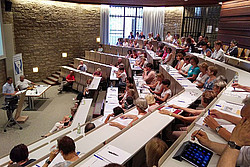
{"x": 82, "y": 67}
{"x": 23, "y": 83}
{"x": 169, "y": 38}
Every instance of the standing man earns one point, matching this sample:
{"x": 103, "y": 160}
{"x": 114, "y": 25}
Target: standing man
{"x": 23, "y": 83}
{"x": 9, "y": 92}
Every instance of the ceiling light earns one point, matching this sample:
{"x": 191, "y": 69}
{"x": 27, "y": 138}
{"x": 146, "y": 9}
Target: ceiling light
{"x": 220, "y": 3}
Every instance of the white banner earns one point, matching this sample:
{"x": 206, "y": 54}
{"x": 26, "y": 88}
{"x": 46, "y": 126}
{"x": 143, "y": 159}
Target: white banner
{"x": 18, "y": 66}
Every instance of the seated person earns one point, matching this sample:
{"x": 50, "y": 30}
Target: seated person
{"x": 131, "y": 43}
{"x": 119, "y": 61}
{"x": 167, "y": 56}
{"x": 121, "y": 75}
{"x": 129, "y": 103}
{"x": 200, "y": 41}
{"x": 86, "y": 93}
{"x": 150, "y": 37}
{"x": 243, "y": 135}
{"x": 205, "y": 50}
{"x": 100, "y": 48}
{"x": 119, "y": 43}
{"x": 183, "y": 42}
{"x": 202, "y": 77}
{"x": 142, "y": 62}
{"x": 131, "y": 36}
{"x": 218, "y": 53}
{"x": 186, "y": 66}
{"x": 154, "y": 150}
{"x": 69, "y": 82}
{"x": 20, "y": 155}
{"x": 237, "y": 85}
{"x": 177, "y": 40}
{"x": 194, "y": 70}
{"x": 209, "y": 83}
{"x": 134, "y": 54}
{"x": 136, "y": 45}
{"x": 189, "y": 46}
{"x": 157, "y": 38}
{"x": 128, "y": 92}
{"x": 116, "y": 111}
{"x": 166, "y": 92}
{"x": 141, "y": 105}
{"x": 156, "y": 87}
{"x": 180, "y": 62}
{"x": 206, "y": 99}
{"x": 145, "y": 43}
{"x": 206, "y": 40}
{"x": 66, "y": 146}
{"x": 150, "y": 46}
{"x": 88, "y": 127}
{"x": 129, "y": 54}
{"x": 219, "y": 85}
{"x": 148, "y": 74}
{"x": 125, "y": 43}
{"x": 82, "y": 67}
{"x": 98, "y": 72}
{"x": 64, "y": 123}
{"x": 23, "y": 83}
{"x": 151, "y": 102}
{"x": 160, "y": 51}
{"x": 233, "y": 49}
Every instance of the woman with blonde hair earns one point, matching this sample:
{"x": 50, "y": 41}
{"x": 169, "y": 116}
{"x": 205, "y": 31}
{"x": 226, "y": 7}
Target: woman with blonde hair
{"x": 151, "y": 102}
{"x": 154, "y": 149}
{"x": 202, "y": 77}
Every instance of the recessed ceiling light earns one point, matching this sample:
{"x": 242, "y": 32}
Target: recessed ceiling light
{"x": 185, "y": 0}
{"x": 220, "y": 3}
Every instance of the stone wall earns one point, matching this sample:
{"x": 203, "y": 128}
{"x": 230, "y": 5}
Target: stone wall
{"x": 173, "y": 20}
{"x": 45, "y": 29}
{"x": 2, "y": 74}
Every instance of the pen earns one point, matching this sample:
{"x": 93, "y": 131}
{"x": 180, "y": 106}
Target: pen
{"x": 218, "y": 105}
{"x": 98, "y": 157}
{"x": 37, "y": 165}
{"x": 208, "y": 112}
{"x": 197, "y": 133}
{"x": 181, "y": 101}
{"x": 112, "y": 153}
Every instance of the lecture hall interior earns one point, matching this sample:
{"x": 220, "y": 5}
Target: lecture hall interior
{"x": 125, "y": 83}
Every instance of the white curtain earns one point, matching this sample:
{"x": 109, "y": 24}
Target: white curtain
{"x": 104, "y": 29}
{"x": 153, "y": 20}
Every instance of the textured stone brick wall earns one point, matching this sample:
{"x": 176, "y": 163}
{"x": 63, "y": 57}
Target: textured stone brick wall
{"x": 173, "y": 20}
{"x": 2, "y": 74}
{"x": 44, "y": 29}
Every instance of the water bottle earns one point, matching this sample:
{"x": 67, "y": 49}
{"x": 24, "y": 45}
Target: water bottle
{"x": 134, "y": 74}
{"x": 236, "y": 78}
{"x": 190, "y": 49}
{"x": 161, "y": 62}
{"x": 36, "y": 91}
{"x": 79, "y": 129}
{"x": 168, "y": 68}
{"x": 111, "y": 85}
{"x": 118, "y": 54}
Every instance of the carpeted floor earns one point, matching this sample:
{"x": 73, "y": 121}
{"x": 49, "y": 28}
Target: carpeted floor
{"x": 39, "y": 123}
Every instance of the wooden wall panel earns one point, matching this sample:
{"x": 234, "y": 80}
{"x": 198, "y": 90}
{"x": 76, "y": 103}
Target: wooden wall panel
{"x": 235, "y": 23}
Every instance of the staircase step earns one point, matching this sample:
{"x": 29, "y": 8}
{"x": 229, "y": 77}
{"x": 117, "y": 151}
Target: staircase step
{"x": 49, "y": 82}
{"x": 58, "y": 72}
{"x": 55, "y": 76}
{"x": 52, "y": 79}
{"x": 71, "y": 65}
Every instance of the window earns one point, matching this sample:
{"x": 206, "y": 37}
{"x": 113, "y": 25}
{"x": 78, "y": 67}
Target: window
{"x": 123, "y": 20}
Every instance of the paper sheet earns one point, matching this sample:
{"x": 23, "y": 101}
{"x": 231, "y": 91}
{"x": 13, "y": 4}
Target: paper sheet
{"x": 94, "y": 162}
{"x": 123, "y": 122}
{"x": 228, "y": 107}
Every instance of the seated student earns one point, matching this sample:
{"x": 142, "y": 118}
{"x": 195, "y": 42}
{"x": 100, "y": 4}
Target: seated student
{"x": 69, "y": 82}
{"x": 206, "y": 99}
{"x": 66, "y": 146}
{"x": 219, "y": 85}
{"x": 200, "y": 41}
{"x": 100, "y": 48}
{"x": 218, "y": 53}
{"x": 205, "y": 50}
{"x": 180, "y": 62}
{"x": 192, "y": 39}
{"x": 86, "y": 93}
{"x": 129, "y": 54}
{"x": 167, "y": 56}
{"x": 131, "y": 43}
{"x": 20, "y": 155}
{"x": 23, "y": 83}
{"x": 116, "y": 111}
{"x": 151, "y": 102}
{"x": 166, "y": 92}
{"x": 209, "y": 83}
{"x": 186, "y": 66}
{"x": 145, "y": 42}
{"x": 141, "y": 105}
{"x": 240, "y": 136}
{"x": 160, "y": 51}
{"x": 177, "y": 40}
{"x": 157, "y": 38}
{"x": 82, "y": 67}
{"x": 154, "y": 150}
{"x": 88, "y": 127}
{"x": 141, "y": 36}
{"x": 131, "y": 36}
{"x": 136, "y": 45}
{"x": 150, "y": 46}
{"x": 189, "y": 46}
{"x": 169, "y": 38}
{"x": 237, "y": 85}
{"x": 121, "y": 75}
{"x": 134, "y": 54}
{"x": 141, "y": 62}
{"x": 64, "y": 123}
{"x": 129, "y": 103}
{"x": 98, "y": 72}
{"x": 156, "y": 87}
{"x": 183, "y": 42}
{"x": 150, "y": 37}
{"x": 233, "y": 49}
{"x": 194, "y": 70}
{"x": 148, "y": 74}
{"x": 125, "y": 43}
{"x": 202, "y": 77}
{"x": 119, "y": 43}
{"x": 119, "y": 61}
{"x": 126, "y": 93}
{"x": 206, "y": 40}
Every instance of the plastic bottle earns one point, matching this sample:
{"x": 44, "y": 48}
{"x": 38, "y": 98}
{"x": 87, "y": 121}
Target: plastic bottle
{"x": 79, "y": 129}
{"x": 236, "y": 78}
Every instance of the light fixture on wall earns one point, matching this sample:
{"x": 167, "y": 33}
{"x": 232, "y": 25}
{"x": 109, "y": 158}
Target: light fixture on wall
{"x": 220, "y": 3}
{"x": 64, "y": 54}
{"x": 98, "y": 39}
{"x": 35, "y": 69}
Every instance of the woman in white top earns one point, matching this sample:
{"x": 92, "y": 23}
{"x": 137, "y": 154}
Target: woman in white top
{"x": 157, "y": 85}
{"x": 200, "y": 80}
{"x": 184, "y": 69}
{"x": 218, "y": 53}
{"x": 166, "y": 93}
{"x": 169, "y": 38}
{"x": 125, "y": 43}
{"x": 180, "y": 63}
